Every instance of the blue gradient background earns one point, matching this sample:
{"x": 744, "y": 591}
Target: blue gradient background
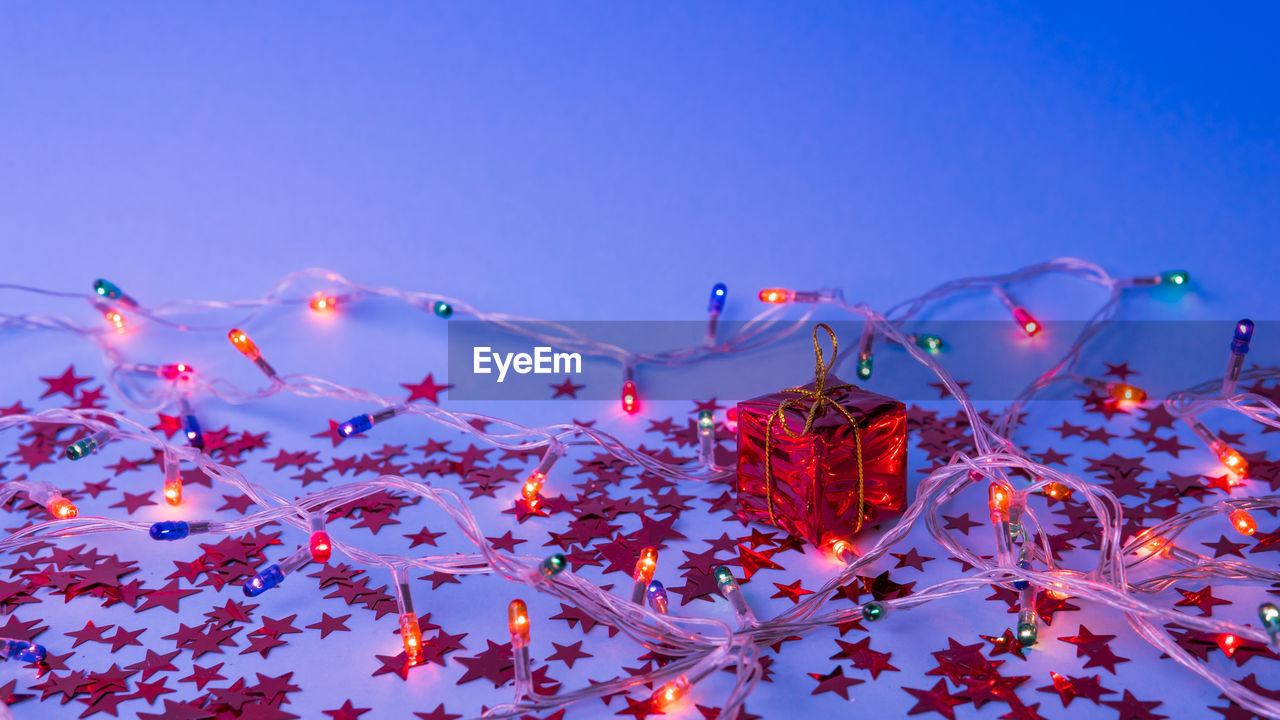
{"x": 586, "y": 160}
{"x": 604, "y": 161}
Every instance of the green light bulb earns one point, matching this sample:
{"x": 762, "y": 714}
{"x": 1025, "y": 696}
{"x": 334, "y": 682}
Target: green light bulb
{"x": 107, "y": 289}
{"x": 1175, "y": 277}
{"x": 931, "y": 344}
{"x": 442, "y": 309}
{"x": 864, "y": 366}
{"x": 724, "y": 577}
{"x": 1270, "y": 616}
{"x": 873, "y": 611}
{"x": 552, "y": 565}
{"x": 705, "y": 420}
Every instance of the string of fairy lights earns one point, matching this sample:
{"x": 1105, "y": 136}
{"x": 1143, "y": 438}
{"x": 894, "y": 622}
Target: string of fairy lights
{"x": 700, "y": 646}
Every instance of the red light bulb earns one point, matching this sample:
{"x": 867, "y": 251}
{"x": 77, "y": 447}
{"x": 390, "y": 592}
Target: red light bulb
{"x": 321, "y": 548}
{"x": 1029, "y": 324}
{"x": 630, "y": 400}
{"x": 775, "y": 296}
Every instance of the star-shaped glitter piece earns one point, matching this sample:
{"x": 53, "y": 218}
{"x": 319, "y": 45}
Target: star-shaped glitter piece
{"x": 936, "y": 699}
{"x": 1202, "y": 599}
{"x": 568, "y": 654}
{"x": 792, "y": 592}
{"x": 863, "y": 657}
{"x": 425, "y": 390}
{"x": 65, "y": 383}
{"x": 566, "y": 389}
{"x": 1131, "y": 708}
{"x": 1006, "y": 643}
{"x": 834, "y": 681}
{"x": 911, "y": 559}
{"x": 437, "y": 714}
{"x": 346, "y": 712}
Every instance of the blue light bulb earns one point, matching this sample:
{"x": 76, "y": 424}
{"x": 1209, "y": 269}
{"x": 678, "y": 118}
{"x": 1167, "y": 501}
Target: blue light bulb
{"x": 1020, "y": 584}
{"x": 21, "y": 650}
{"x": 356, "y": 425}
{"x": 263, "y": 581}
{"x": 170, "y": 530}
{"x": 1243, "y": 334}
{"x": 718, "y": 293}
{"x": 191, "y": 427}
{"x": 657, "y": 596}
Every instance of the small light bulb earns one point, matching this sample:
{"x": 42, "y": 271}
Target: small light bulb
{"x": 172, "y": 483}
{"x": 1126, "y": 393}
{"x": 14, "y": 649}
{"x": 245, "y": 345}
{"x": 1029, "y": 325}
{"x": 718, "y": 293}
{"x": 998, "y": 501}
{"x": 657, "y": 597}
{"x": 1027, "y": 632}
{"x": 176, "y": 371}
{"x": 873, "y": 611}
{"x": 1057, "y": 491}
{"x": 865, "y": 363}
{"x": 931, "y": 344}
{"x": 110, "y": 291}
{"x": 1243, "y": 522}
{"x": 88, "y": 445}
{"x": 411, "y": 635}
{"x": 1175, "y": 277}
{"x": 442, "y": 309}
{"x": 706, "y": 421}
{"x": 518, "y": 623}
{"x": 670, "y": 693}
{"x": 274, "y": 574}
{"x": 843, "y": 550}
{"x": 533, "y": 484}
{"x": 775, "y": 296}
{"x": 116, "y": 319}
{"x": 1232, "y": 459}
{"x": 1269, "y": 614}
{"x": 170, "y": 530}
{"x": 643, "y": 573}
{"x": 630, "y": 399}
{"x": 324, "y": 304}
{"x": 552, "y": 566}
{"x": 62, "y": 508}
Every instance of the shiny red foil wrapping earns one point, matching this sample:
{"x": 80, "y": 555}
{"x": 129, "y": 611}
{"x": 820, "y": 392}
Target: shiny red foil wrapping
{"x": 815, "y": 476}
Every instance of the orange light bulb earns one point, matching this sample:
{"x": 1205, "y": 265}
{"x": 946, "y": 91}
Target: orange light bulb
{"x": 324, "y": 303}
{"x": 173, "y": 491}
{"x": 1233, "y": 460}
{"x": 776, "y": 296}
{"x": 1243, "y": 522}
{"x": 242, "y": 343}
{"x": 1057, "y": 491}
{"x": 645, "y": 566}
{"x": 62, "y": 508}
{"x": 411, "y": 634}
{"x": 518, "y": 622}
{"x": 1126, "y": 393}
{"x": 533, "y": 486}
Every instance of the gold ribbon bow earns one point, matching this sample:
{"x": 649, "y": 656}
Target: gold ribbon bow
{"x": 818, "y": 396}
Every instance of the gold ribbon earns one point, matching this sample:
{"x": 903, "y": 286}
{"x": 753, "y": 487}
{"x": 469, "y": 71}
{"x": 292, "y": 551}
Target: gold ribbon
{"x": 818, "y": 396}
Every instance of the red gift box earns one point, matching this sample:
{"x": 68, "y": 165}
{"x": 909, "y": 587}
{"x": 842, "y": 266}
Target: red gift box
{"x": 832, "y": 462}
